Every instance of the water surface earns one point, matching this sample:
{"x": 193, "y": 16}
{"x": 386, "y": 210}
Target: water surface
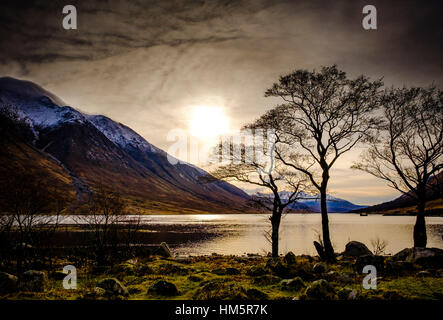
{"x": 245, "y": 233}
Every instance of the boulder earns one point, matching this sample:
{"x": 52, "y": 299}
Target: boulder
{"x": 33, "y": 281}
{"x": 427, "y": 257}
{"x": 319, "y": 268}
{"x": 144, "y": 269}
{"x": 369, "y": 259}
{"x": 319, "y": 290}
{"x": 279, "y": 269}
{"x": 112, "y": 287}
{"x": 290, "y": 258}
{"x": 424, "y": 273}
{"x": 162, "y": 250}
{"x": 163, "y": 288}
{"x": 347, "y": 294}
{"x": 295, "y": 284}
{"x": 8, "y": 283}
{"x": 398, "y": 268}
{"x": 99, "y": 292}
{"x": 356, "y": 249}
{"x": 256, "y": 271}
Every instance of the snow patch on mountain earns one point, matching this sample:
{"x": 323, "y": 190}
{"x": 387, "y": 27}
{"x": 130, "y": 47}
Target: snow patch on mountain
{"x": 120, "y": 134}
{"x": 36, "y": 106}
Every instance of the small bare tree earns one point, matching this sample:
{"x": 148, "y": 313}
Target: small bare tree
{"x": 379, "y": 246}
{"x": 28, "y": 202}
{"x": 262, "y": 172}
{"x": 409, "y": 148}
{"x": 105, "y": 213}
{"x": 322, "y": 116}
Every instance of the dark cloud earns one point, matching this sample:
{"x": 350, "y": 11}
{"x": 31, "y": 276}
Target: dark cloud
{"x": 146, "y": 63}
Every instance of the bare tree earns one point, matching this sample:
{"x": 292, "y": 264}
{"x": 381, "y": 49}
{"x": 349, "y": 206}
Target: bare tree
{"x": 263, "y": 172}
{"x": 27, "y": 203}
{"x": 409, "y": 148}
{"x": 323, "y": 115}
{"x": 105, "y": 213}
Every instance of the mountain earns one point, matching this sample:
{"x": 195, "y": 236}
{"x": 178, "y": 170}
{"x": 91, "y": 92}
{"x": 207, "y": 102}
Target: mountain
{"x": 405, "y": 204}
{"x": 93, "y": 150}
{"x": 311, "y": 203}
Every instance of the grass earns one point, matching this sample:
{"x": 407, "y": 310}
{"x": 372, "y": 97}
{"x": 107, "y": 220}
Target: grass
{"x": 205, "y": 278}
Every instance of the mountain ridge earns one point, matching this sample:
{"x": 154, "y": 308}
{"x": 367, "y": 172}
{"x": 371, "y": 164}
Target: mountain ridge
{"x": 99, "y": 150}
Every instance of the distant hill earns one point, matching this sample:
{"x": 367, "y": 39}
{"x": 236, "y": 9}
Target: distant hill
{"x": 81, "y": 151}
{"x": 311, "y": 203}
{"x": 405, "y": 203}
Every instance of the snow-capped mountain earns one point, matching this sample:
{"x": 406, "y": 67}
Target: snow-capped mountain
{"x": 97, "y": 150}
{"x": 311, "y": 203}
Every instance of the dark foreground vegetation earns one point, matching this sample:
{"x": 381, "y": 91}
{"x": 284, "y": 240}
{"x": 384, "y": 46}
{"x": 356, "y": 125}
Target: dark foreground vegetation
{"x": 411, "y": 274}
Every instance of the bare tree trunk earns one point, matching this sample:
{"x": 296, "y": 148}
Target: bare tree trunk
{"x": 328, "y": 249}
{"x": 420, "y": 238}
{"x": 275, "y": 221}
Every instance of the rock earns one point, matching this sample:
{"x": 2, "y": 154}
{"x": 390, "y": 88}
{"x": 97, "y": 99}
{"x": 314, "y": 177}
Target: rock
{"x": 344, "y": 277}
{"x": 125, "y": 268}
{"x": 162, "y": 250}
{"x": 353, "y": 295}
{"x": 33, "y": 281}
{"x": 426, "y": 257}
{"x": 356, "y": 249}
{"x": 290, "y": 258}
{"x": 112, "y": 287}
{"x": 279, "y": 269}
{"x": 144, "y": 269}
{"x": 266, "y": 280}
{"x": 319, "y": 268}
{"x": 255, "y": 294}
{"x": 424, "y": 273}
{"x": 295, "y": 284}
{"x": 319, "y": 290}
{"x": 398, "y": 268}
{"x": 163, "y": 288}
{"x": 369, "y": 259}
{"x": 347, "y": 294}
{"x": 439, "y": 273}
{"x": 320, "y": 250}
{"x": 100, "y": 292}
{"x": 8, "y": 283}
{"x": 256, "y": 271}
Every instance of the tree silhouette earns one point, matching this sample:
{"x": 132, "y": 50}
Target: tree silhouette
{"x": 323, "y": 115}
{"x": 261, "y": 171}
{"x": 408, "y": 153}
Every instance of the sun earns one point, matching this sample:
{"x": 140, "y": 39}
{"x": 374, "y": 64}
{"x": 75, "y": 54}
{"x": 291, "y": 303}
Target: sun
{"x": 208, "y": 122}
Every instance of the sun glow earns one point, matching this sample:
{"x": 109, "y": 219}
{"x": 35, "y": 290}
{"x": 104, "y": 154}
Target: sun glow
{"x": 208, "y": 122}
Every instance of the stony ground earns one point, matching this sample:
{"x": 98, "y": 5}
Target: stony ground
{"x": 233, "y": 277}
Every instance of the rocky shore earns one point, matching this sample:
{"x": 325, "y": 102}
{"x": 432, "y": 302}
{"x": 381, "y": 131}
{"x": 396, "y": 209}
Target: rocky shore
{"x": 413, "y": 273}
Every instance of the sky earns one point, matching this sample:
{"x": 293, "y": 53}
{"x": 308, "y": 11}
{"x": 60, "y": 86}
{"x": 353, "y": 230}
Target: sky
{"x": 148, "y": 64}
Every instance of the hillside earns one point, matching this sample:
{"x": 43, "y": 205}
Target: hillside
{"x": 85, "y": 151}
{"x": 405, "y": 205}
